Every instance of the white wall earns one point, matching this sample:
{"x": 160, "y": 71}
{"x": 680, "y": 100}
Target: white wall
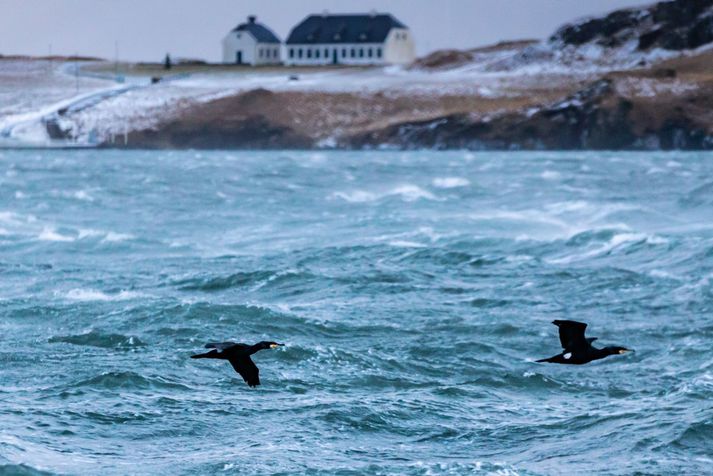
{"x": 254, "y": 53}
{"x": 361, "y": 54}
{"x": 239, "y": 41}
{"x": 399, "y": 47}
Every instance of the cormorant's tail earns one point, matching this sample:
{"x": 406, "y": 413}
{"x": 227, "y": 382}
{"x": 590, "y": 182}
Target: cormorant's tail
{"x": 549, "y": 360}
{"x": 207, "y": 355}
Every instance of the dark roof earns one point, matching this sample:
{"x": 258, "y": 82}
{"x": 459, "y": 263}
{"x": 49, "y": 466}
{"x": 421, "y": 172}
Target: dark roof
{"x": 261, "y": 33}
{"x": 343, "y": 29}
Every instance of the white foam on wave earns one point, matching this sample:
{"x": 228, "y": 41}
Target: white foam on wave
{"x": 551, "y": 175}
{"x": 112, "y": 237}
{"x": 82, "y": 195}
{"x": 83, "y": 295}
{"x": 661, "y": 274}
{"x": 406, "y": 244}
{"x": 407, "y": 192}
{"x": 450, "y": 182}
{"x": 615, "y": 242}
{"x": 107, "y": 236}
{"x": 564, "y": 219}
{"x": 50, "y": 234}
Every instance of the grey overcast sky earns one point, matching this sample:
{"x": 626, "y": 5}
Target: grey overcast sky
{"x": 148, "y": 29}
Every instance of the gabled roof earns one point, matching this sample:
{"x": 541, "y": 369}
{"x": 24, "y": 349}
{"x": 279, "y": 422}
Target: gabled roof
{"x": 259, "y": 31}
{"x": 343, "y": 29}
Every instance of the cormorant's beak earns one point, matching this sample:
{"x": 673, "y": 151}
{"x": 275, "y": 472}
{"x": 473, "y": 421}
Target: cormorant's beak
{"x": 624, "y": 351}
{"x": 275, "y": 346}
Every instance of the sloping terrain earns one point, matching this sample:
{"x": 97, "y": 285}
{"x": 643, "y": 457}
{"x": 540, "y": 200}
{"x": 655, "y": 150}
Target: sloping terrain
{"x": 633, "y": 79}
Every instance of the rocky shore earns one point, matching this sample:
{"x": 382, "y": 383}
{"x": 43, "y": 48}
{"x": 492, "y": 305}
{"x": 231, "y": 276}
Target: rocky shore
{"x": 635, "y": 79}
{"x": 650, "y": 87}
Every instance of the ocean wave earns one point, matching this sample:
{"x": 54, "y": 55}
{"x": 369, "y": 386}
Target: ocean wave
{"x": 603, "y": 242}
{"x": 220, "y": 283}
{"x": 21, "y": 470}
{"x": 106, "y": 236}
{"x": 127, "y": 380}
{"x": 86, "y": 295}
{"x": 407, "y": 192}
{"x": 696, "y": 437}
{"x": 450, "y": 182}
{"x": 97, "y": 339}
{"x": 15, "y": 224}
{"x": 51, "y": 234}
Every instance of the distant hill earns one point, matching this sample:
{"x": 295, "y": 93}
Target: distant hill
{"x": 622, "y": 39}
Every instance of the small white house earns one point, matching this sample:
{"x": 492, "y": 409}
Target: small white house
{"x": 251, "y": 43}
{"x": 371, "y": 39}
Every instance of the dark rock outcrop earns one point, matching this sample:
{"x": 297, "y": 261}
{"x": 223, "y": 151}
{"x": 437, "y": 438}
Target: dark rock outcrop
{"x": 672, "y": 25}
{"x": 254, "y": 132}
{"x": 596, "y": 118}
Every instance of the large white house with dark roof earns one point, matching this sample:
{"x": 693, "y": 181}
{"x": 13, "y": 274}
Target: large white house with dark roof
{"x": 252, "y": 43}
{"x": 371, "y": 39}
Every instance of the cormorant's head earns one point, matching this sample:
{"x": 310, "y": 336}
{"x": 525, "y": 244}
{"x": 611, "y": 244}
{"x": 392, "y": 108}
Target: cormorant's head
{"x": 270, "y": 345}
{"x": 618, "y": 350}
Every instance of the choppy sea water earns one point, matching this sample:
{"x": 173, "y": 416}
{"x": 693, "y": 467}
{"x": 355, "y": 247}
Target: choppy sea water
{"x": 413, "y": 291}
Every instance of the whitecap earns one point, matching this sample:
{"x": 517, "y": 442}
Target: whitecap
{"x": 112, "y": 237}
{"x": 82, "y": 295}
{"x": 551, "y": 175}
{"x": 82, "y": 195}
{"x": 616, "y": 241}
{"x": 659, "y": 273}
{"x": 406, "y": 244}
{"x": 356, "y": 196}
{"x": 407, "y": 192}
{"x": 412, "y": 193}
{"x": 50, "y": 234}
{"x": 450, "y": 182}
{"x": 88, "y": 233}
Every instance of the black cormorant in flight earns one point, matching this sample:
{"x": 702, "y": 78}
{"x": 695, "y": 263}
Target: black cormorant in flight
{"x": 577, "y": 348}
{"x": 239, "y": 357}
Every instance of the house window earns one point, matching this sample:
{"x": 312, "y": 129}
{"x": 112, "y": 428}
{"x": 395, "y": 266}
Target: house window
{"x": 361, "y": 52}
{"x": 353, "y": 52}
{"x": 316, "y": 53}
{"x": 309, "y": 52}
{"x": 299, "y": 53}
{"x": 326, "y": 52}
{"x": 292, "y": 52}
{"x": 378, "y": 52}
{"x": 344, "y": 52}
{"x": 371, "y": 53}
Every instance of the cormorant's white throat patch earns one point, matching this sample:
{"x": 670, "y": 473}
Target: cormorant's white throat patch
{"x": 567, "y": 355}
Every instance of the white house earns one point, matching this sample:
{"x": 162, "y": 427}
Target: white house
{"x": 251, "y": 43}
{"x": 370, "y": 39}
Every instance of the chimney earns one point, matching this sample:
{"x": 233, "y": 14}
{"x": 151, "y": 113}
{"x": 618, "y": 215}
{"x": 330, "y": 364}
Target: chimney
{"x": 252, "y": 18}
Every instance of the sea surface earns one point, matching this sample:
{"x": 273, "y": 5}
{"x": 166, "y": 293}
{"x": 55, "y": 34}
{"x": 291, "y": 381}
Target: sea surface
{"x": 413, "y": 291}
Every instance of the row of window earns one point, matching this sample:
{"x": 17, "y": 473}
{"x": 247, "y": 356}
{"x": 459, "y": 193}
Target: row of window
{"x": 335, "y": 52}
{"x": 268, "y": 53}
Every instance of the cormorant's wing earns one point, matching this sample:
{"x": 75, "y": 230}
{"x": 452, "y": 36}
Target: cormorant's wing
{"x": 247, "y": 369}
{"x": 221, "y": 346}
{"x": 571, "y": 333}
